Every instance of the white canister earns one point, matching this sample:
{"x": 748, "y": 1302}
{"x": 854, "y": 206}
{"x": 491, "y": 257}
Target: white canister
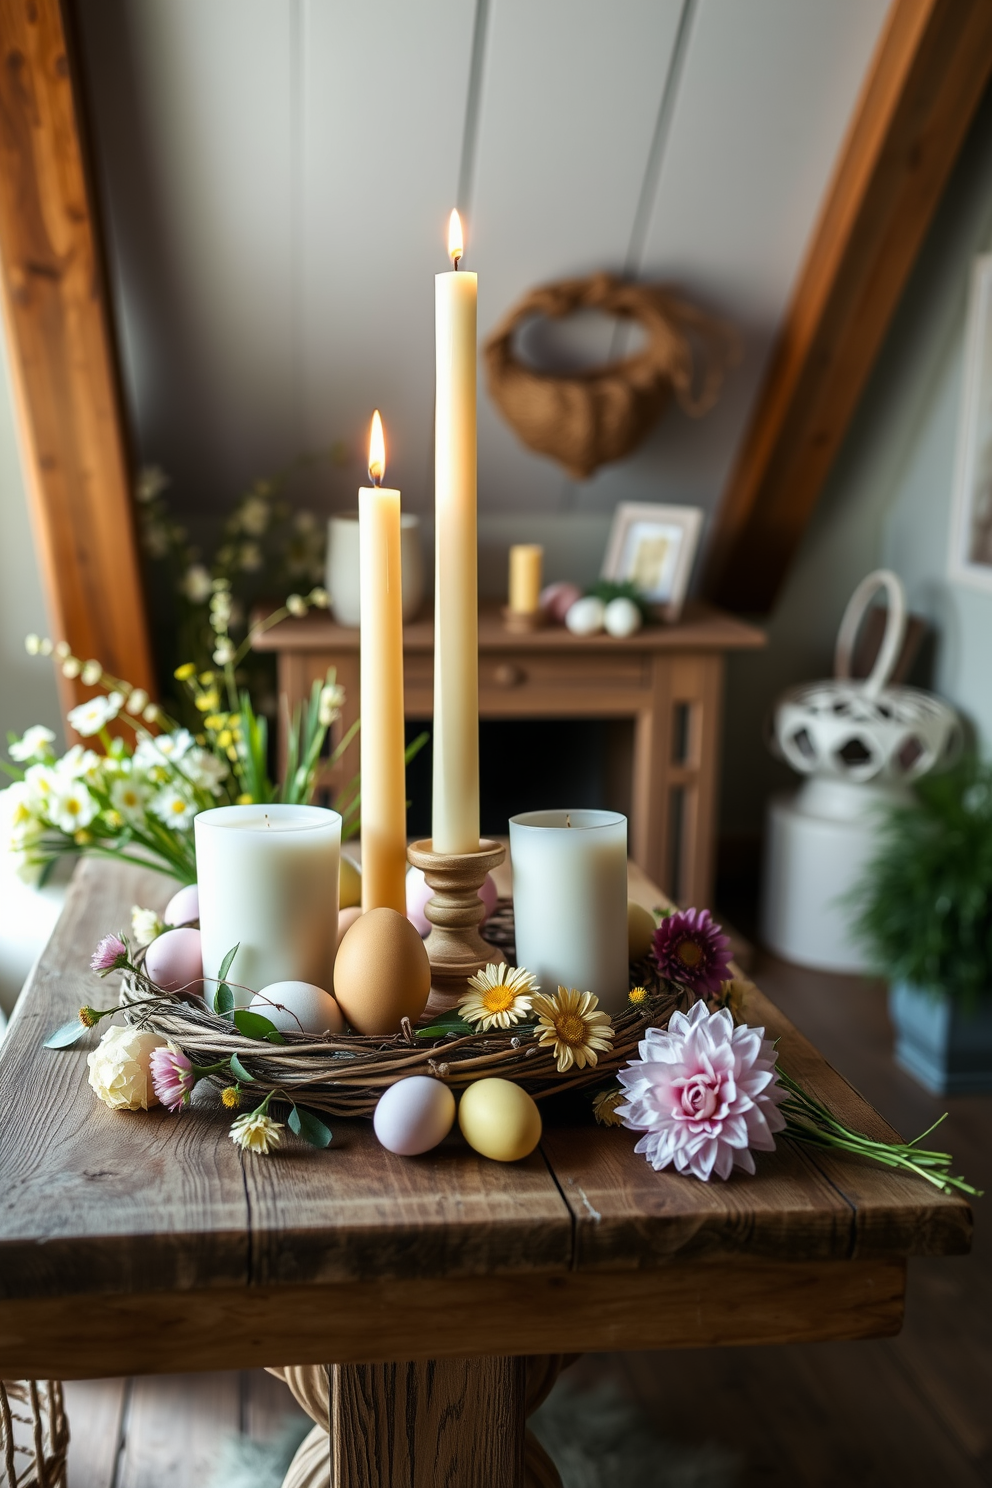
{"x": 570, "y": 901}
{"x": 268, "y": 883}
{"x": 343, "y": 572}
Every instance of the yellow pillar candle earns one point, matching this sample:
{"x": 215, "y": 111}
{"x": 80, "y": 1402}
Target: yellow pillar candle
{"x": 382, "y": 745}
{"x": 525, "y": 577}
{"x": 455, "y": 815}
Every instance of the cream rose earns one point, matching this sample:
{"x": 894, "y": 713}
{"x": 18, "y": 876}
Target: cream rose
{"x": 120, "y": 1071}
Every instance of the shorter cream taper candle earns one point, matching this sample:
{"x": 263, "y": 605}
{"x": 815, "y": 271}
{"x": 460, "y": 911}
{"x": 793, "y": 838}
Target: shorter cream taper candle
{"x": 382, "y": 745}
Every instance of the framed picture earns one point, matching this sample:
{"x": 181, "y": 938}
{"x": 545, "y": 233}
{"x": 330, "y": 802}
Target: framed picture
{"x": 653, "y": 547}
{"x": 971, "y": 520}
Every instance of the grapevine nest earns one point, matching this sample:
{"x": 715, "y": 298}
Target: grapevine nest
{"x": 346, "y": 1074}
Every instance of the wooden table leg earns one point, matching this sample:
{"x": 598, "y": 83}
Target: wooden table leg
{"x": 447, "y": 1423}
{"x": 452, "y": 1422}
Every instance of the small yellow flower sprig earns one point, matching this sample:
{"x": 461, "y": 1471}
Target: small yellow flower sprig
{"x": 574, "y": 1025}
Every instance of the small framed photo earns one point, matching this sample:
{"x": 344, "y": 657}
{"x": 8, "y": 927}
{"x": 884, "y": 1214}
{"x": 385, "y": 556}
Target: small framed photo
{"x": 653, "y": 547}
{"x": 971, "y": 520}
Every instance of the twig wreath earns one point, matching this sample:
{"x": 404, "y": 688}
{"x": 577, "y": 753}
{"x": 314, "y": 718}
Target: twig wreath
{"x": 585, "y": 419}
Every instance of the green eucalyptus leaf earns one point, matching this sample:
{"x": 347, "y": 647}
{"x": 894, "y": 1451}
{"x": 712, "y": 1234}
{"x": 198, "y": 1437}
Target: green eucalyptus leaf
{"x": 253, "y": 1025}
{"x": 223, "y": 999}
{"x": 310, "y": 1127}
{"x": 66, "y": 1036}
{"x": 238, "y": 1069}
{"x": 228, "y": 962}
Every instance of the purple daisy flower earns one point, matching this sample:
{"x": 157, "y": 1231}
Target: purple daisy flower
{"x": 110, "y": 954}
{"x": 173, "y": 1077}
{"x": 690, "y": 948}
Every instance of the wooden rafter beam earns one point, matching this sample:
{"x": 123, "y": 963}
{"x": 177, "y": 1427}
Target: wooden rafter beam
{"x": 62, "y": 360}
{"x": 931, "y": 66}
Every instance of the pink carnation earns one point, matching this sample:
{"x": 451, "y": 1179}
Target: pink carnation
{"x": 705, "y": 1093}
{"x": 109, "y": 955}
{"x": 172, "y": 1076}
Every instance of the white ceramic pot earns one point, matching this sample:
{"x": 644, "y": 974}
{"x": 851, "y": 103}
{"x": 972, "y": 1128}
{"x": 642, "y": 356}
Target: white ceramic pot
{"x": 343, "y": 568}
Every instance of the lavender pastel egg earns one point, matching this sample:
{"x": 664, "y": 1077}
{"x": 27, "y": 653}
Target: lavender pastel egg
{"x": 183, "y": 907}
{"x": 174, "y": 961}
{"x": 557, "y": 599}
{"x": 414, "y": 1115}
{"x": 298, "y": 1007}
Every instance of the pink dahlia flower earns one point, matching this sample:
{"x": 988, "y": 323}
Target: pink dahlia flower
{"x": 689, "y": 948}
{"x": 705, "y": 1093}
{"x": 109, "y": 955}
{"x": 172, "y": 1077}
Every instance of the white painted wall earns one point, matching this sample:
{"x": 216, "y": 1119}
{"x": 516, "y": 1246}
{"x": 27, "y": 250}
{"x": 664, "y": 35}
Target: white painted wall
{"x": 27, "y": 683}
{"x": 277, "y": 177}
{"x": 887, "y": 501}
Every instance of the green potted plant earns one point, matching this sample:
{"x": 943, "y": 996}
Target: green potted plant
{"x": 924, "y": 911}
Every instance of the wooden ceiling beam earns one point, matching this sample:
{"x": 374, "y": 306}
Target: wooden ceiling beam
{"x": 67, "y": 399}
{"x": 927, "y": 77}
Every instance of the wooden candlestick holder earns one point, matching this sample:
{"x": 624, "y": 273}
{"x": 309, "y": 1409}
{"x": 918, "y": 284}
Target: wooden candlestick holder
{"x": 455, "y": 948}
{"x": 522, "y": 622}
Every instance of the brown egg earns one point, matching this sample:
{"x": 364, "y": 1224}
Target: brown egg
{"x": 382, "y": 973}
{"x": 640, "y": 930}
{"x": 346, "y": 918}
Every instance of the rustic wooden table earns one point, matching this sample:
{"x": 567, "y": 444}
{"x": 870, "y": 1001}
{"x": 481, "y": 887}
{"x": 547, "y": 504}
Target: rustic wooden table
{"x": 134, "y": 1243}
{"x": 668, "y": 679}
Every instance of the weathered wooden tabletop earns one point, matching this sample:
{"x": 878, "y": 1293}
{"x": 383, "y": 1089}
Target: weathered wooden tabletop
{"x": 133, "y": 1242}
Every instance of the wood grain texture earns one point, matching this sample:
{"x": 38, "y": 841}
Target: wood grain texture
{"x": 174, "y": 1427}
{"x": 449, "y": 1423}
{"x": 931, "y": 65}
{"x": 728, "y": 1300}
{"x": 93, "y": 1199}
{"x": 61, "y": 353}
{"x": 96, "y": 1424}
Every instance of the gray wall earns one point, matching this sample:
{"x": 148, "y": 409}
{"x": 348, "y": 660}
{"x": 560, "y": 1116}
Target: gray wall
{"x": 888, "y": 501}
{"x": 278, "y": 174}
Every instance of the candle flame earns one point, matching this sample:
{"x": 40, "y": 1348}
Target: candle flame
{"x": 377, "y": 450}
{"x": 456, "y": 242}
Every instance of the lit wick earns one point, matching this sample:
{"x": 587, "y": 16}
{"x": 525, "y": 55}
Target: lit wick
{"x": 377, "y": 451}
{"x": 456, "y": 242}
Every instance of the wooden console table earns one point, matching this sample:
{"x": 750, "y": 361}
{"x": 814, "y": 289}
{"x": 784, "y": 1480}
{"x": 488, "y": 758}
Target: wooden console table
{"x": 443, "y": 1292}
{"x": 668, "y": 679}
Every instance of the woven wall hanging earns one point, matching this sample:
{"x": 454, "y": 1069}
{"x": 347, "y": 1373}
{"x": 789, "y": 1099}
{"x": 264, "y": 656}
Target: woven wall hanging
{"x": 586, "y": 419}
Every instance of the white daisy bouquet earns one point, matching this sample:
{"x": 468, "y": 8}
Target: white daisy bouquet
{"x": 138, "y": 789}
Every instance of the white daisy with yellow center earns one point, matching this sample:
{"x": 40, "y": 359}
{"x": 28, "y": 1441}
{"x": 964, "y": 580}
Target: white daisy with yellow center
{"x": 570, "y": 1022}
{"x": 500, "y": 997}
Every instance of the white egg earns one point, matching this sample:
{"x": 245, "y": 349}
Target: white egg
{"x": 622, "y": 617}
{"x": 414, "y": 1115}
{"x": 298, "y": 1007}
{"x": 586, "y": 616}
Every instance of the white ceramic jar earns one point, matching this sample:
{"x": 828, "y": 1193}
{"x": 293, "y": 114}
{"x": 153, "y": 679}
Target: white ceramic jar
{"x": 343, "y": 574}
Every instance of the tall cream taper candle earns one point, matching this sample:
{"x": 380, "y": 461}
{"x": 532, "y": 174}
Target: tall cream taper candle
{"x": 455, "y": 816}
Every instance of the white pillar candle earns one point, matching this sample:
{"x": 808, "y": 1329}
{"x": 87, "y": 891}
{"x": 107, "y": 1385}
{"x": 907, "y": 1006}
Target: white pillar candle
{"x": 570, "y": 901}
{"x": 455, "y": 811}
{"x": 268, "y": 883}
{"x": 383, "y": 768}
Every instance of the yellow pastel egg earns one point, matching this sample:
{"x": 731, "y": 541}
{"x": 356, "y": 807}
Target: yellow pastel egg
{"x": 640, "y": 930}
{"x": 350, "y": 892}
{"x": 500, "y": 1120}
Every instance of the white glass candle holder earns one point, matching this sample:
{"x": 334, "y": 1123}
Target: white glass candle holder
{"x": 570, "y": 901}
{"x": 268, "y": 883}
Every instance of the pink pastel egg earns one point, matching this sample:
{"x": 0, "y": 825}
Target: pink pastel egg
{"x": 183, "y": 907}
{"x": 418, "y": 893}
{"x": 557, "y": 599}
{"x": 414, "y": 1115}
{"x": 489, "y": 894}
{"x": 174, "y": 961}
{"x": 346, "y": 918}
